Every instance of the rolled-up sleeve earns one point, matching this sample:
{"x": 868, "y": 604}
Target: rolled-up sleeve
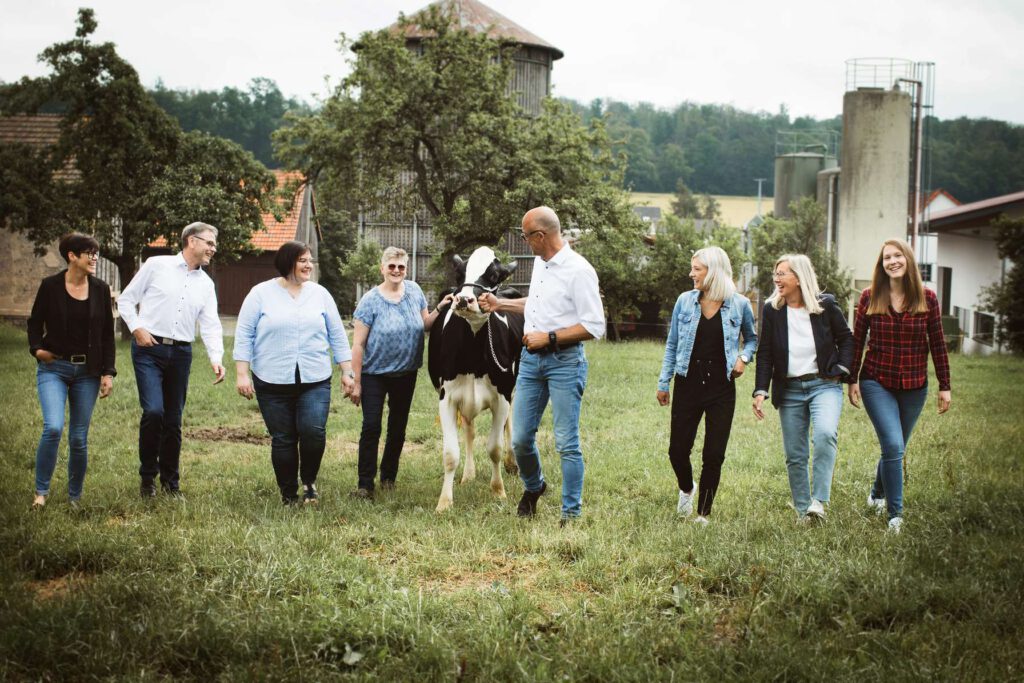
{"x": 589, "y": 307}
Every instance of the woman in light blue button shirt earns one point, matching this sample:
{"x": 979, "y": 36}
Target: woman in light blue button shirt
{"x": 287, "y": 331}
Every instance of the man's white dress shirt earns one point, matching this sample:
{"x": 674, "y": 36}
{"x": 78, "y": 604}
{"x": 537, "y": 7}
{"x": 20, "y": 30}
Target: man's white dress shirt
{"x": 564, "y": 292}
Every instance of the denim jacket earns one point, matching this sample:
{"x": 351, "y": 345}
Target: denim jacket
{"x": 737, "y": 317}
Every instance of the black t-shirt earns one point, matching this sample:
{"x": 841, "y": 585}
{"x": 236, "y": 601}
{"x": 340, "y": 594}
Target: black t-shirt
{"x": 78, "y": 325}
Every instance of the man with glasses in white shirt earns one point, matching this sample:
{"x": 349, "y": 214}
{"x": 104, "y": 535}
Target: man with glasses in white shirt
{"x": 161, "y": 306}
{"x": 563, "y": 310}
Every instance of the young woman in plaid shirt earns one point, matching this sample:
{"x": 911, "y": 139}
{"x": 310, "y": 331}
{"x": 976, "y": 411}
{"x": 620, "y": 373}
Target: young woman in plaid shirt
{"x": 901, "y": 322}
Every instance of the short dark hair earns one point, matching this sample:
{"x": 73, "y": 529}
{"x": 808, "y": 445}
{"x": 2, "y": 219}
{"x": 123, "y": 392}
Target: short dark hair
{"x": 288, "y": 255}
{"x": 75, "y": 243}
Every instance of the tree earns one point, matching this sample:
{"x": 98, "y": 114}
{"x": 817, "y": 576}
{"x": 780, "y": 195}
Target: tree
{"x": 121, "y": 169}
{"x": 685, "y": 204}
{"x": 802, "y": 234}
{"x": 1006, "y": 299}
{"x": 438, "y": 129}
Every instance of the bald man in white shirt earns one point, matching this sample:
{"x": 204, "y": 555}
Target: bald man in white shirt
{"x": 563, "y": 310}
{"x": 161, "y": 306}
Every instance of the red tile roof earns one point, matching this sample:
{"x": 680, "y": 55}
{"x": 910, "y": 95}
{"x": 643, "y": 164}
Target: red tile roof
{"x": 277, "y": 232}
{"x": 35, "y": 130}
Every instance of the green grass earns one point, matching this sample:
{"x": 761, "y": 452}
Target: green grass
{"x": 228, "y": 585}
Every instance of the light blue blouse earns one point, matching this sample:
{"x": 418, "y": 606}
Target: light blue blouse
{"x": 275, "y": 333}
{"x": 395, "y": 342}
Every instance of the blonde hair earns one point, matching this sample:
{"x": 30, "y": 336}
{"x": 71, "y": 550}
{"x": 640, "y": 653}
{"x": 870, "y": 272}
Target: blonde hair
{"x": 804, "y": 272}
{"x": 393, "y": 254}
{"x": 913, "y": 287}
{"x": 718, "y": 283}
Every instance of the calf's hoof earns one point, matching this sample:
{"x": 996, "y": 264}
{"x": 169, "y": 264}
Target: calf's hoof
{"x": 443, "y": 504}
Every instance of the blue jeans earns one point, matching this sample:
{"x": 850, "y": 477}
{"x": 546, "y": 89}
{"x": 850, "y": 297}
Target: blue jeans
{"x": 296, "y": 417}
{"x": 398, "y": 390}
{"x": 893, "y": 413}
{"x": 817, "y": 404}
{"x": 161, "y": 373}
{"x": 561, "y": 377}
{"x": 58, "y": 383}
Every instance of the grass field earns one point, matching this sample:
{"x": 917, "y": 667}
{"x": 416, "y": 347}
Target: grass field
{"x": 228, "y": 585}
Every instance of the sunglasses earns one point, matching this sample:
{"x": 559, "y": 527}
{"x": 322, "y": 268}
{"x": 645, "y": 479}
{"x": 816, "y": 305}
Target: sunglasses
{"x": 400, "y": 267}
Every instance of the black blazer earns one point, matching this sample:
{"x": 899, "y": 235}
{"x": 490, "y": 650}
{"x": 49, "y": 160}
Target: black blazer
{"x": 833, "y": 343}
{"x": 47, "y": 325}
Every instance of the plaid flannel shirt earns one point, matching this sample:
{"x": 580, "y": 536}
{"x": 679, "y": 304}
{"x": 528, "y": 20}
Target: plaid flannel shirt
{"x": 898, "y": 345}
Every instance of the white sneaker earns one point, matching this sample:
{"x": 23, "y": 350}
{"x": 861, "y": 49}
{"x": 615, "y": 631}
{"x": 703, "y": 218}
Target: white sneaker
{"x": 701, "y": 521}
{"x": 816, "y": 509}
{"x": 685, "y": 506}
{"x": 802, "y": 520}
{"x": 895, "y": 525}
{"x": 877, "y": 503}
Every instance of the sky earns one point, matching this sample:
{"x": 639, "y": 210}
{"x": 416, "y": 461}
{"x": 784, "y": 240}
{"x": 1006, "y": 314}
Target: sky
{"x": 756, "y": 56}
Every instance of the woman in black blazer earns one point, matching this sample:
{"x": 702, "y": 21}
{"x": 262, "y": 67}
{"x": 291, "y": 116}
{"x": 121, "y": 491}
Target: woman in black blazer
{"x": 805, "y": 350}
{"x": 71, "y": 336}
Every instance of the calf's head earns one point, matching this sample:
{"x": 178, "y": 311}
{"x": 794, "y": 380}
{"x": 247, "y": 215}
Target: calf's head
{"x": 482, "y": 272}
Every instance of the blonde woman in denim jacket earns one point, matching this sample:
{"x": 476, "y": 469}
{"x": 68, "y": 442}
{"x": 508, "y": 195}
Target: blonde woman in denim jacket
{"x": 704, "y": 354}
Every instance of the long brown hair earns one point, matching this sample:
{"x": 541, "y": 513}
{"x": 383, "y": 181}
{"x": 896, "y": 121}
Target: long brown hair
{"x": 913, "y": 287}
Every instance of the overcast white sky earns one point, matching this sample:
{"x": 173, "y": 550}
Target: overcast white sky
{"x": 754, "y": 55}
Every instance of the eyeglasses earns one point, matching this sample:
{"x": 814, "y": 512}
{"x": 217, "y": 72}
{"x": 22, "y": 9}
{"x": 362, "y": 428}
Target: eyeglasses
{"x": 527, "y": 235}
{"x": 210, "y": 243}
{"x": 91, "y": 255}
{"x": 400, "y": 267}
{"x": 778, "y": 275}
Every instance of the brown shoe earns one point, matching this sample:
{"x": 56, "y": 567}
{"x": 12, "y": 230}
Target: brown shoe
{"x": 362, "y": 494}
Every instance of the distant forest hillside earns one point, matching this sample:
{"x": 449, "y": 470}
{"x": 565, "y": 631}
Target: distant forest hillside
{"x": 712, "y": 148}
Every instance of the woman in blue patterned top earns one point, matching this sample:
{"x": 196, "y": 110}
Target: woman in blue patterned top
{"x": 387, "y": 352}
{"x": 287, "y": 331}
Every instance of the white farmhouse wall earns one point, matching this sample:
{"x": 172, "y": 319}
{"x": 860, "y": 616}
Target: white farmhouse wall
{"x": 975, "y": 264}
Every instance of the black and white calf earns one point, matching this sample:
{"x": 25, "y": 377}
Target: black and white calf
{"x": 473, "y": 359}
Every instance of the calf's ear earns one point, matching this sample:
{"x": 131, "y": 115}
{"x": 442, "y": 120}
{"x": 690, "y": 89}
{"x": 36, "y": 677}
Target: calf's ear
{"x": 507, "y": 269}
{"x": 458, "y": 260}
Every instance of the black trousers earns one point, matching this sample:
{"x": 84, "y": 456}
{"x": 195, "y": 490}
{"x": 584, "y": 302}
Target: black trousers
{"x": 398, "y": 390}
{"x": 716, "y": 402}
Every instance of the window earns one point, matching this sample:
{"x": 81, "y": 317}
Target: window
{"x": 963, "y": 319}
{"x": 984, "y": 328}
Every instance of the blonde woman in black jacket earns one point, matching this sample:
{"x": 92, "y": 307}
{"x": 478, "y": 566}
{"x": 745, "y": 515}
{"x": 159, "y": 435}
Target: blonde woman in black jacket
{"x": 71, "y": 336}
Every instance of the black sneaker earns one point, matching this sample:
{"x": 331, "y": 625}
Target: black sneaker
{"x": 309, "y": 496}
{"x": 172, "y": 491}
{"x": 147, "y": 489}
{"x": 288, "y": 501}
{"x": 528, "y": 503}
{"x": 387, "y": 484}
{"x": 362, "y": 494}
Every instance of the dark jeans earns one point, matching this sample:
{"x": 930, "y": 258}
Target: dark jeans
{"x": 296, "y": 417}
{"x": 398, "y": 391}
{"x": 161, "y": 373}
{"x": 690, "y": 402}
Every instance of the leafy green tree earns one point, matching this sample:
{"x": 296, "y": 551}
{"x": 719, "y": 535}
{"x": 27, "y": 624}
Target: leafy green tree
{"x": 438, "y": 129}
{"x": 121, "y": 169}
{"x": 1006, "y": 299}
{"x": 685, "y": 204}
{"x": 802, "y": 234}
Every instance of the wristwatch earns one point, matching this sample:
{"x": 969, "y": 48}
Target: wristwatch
{"x": 745, "y": 358}
{"x": 552, "y": 341}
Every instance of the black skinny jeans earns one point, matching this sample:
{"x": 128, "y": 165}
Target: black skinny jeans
{"x": 692, "y": 400}
{"x": 398, "y": 390}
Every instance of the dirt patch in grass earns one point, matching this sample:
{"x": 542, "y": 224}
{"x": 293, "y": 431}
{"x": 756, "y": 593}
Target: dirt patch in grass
{"x": 504, "y": 574}
{"x": 58, "y": 588}
{"x": 231, "y": 434}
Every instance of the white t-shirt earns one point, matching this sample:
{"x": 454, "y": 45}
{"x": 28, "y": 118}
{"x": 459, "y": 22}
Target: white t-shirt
{"x": 803, "y": 357}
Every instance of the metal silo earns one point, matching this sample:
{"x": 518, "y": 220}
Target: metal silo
{"x": 799, "y": 157}
{"x": 876, "y": 169}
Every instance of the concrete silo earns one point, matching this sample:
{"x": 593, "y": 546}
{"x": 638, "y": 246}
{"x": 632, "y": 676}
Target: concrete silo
{"x": 873, "y": 189}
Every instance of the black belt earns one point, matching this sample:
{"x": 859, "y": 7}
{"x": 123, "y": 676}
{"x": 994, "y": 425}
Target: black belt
{"x": 167, "y": 341}
{"x": 813, "y": 375}
{"x": 75, "y": 358}
{"x": 547, "y": 349}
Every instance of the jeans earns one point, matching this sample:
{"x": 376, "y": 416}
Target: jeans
{"x": 296, "y": 417}
{"x": 817, "y": 403}
{"x": 161, "y": 373}
{"x": 59, "y": 382}
{"x": 398, "y": 390}
{"x": 560, "y": 376}
{"x": 716, "y": 405}
{"x": 893, "y": 413}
